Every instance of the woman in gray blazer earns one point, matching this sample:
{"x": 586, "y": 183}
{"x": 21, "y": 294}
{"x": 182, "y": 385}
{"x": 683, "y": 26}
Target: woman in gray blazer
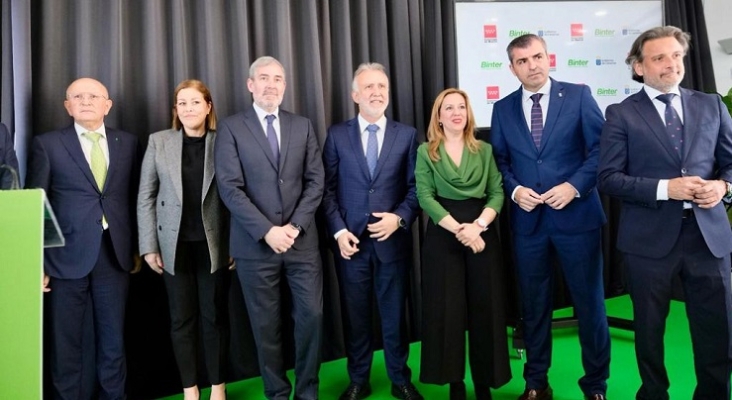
{"x": 184, "y": 235}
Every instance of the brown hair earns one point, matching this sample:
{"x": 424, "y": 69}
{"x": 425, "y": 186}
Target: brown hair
{"x": 636, "y": 50}
{"x": 210, "y": 124}
{"x": 436, "y": 133}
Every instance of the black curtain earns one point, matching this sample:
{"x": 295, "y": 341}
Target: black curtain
{"x": 141, "y": 49}
{"x": 689, "y": 16}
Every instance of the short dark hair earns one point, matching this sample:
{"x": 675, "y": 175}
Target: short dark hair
{"x": 636, "y": 50}
{"x": 523, "y": 42}
{"x": 201, "y": 87}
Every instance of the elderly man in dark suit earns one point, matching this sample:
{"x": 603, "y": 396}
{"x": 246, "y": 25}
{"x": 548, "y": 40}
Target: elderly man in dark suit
{"x": 8, "y": 159}
{"x": 90, "y": 173}
{"x": 370, "y": 203}
{"x": 666, "y": 152}
{"x": 270, "y": 176}
{"x": 546, "y": 138}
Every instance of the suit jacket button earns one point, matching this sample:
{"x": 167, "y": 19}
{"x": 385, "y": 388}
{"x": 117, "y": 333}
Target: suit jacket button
{"x": 684, "y": 171}
{"x": 538, "y": 161}
{"x": 371, "y": 190}
{"x": 280, "y": 181}
{"x": 162, "y": 203}
{"x": 160, "y": 227}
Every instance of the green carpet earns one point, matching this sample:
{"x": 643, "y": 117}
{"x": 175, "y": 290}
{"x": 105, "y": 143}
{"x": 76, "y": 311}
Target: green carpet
{"x": 563, "y": 375}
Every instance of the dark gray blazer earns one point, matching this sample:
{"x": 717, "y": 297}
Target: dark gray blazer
{"x": 261, "y": 194}
{"x": 160, "y": 201}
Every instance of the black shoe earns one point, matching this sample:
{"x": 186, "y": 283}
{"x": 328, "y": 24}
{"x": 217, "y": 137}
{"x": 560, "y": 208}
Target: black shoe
{"x": 405, "y": 392}
{"x": 482, "y": 392}
{"x": 356, "y": 392}
{"x": 537, "y": 394}
{"x": 457, "y": 391}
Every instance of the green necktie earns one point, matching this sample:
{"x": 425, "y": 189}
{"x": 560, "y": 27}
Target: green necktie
{"x": 98, "y": 162}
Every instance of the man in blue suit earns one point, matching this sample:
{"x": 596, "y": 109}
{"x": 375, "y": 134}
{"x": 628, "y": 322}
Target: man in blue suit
{"x": 270, "y": 176}
{"x": 7, "y": 158}
{"x": 666, "y": 152}
{"x": 90, "y": 173}
{"x": 545, "y": 139}
{"x": 370, "y": 202}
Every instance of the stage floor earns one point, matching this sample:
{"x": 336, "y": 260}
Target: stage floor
{"x": 566, "y": 368}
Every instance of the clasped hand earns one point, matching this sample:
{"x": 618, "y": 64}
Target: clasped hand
{"x": 557, "y": 197}
{"x": 281, "y": 238}
{"x": 469, "y": 235}
{"x": 704, "y": 193}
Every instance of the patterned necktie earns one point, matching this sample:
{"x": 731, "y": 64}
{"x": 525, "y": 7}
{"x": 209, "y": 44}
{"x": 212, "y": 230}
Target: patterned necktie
{"x": 537, "y": 120}
{"x": 272, "y": 138}
{"x": 372, "y": 148}
{"x": 98, "y": 162}
{"x": 674, "y": 128}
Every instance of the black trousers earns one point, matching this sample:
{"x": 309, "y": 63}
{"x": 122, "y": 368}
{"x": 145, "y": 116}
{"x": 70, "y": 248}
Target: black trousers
{"x": 196, "y": 295}
{"x": 706, "y": 283}
{"x": 463, "y": 291}
{"x": 103, "y": 292}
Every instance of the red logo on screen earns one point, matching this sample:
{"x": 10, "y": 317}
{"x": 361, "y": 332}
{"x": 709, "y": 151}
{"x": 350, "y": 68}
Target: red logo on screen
{"x": 577, "y": 30}
{"x": 490, "y": 32}
{"x": 492, "y": 93}
{"x": 552, "y": 60}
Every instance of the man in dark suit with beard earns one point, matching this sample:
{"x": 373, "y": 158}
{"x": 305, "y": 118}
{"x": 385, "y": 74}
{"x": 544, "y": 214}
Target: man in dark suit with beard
{"x": 666, "y": 152}
{"x": 270, "y": 176}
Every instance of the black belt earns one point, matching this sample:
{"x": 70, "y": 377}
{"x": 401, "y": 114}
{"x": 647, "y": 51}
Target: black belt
{"x": 687, "y": 213}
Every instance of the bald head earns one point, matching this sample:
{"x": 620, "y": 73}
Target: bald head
{"x": 87, "y": 101}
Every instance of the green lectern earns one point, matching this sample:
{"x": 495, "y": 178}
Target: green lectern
{"x": 27, "y": 224}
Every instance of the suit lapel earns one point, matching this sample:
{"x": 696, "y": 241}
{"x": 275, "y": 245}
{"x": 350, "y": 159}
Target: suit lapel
{"x": 556, "y": 101}
{"x": 354, "y": 136}
{"x": 285, "y": 134}
{"x": 518, "y": 109}
{"x": 389, "y": 137}
{"x": 255, "y": 128}
{"x": 70, "y": 140}
{"x": 691, "y": 112}
{"x": 113, "y": 144}
{"x": 173, "y": 159}
{"x": 208, "y": 164}
{"x": 657, "y": 126}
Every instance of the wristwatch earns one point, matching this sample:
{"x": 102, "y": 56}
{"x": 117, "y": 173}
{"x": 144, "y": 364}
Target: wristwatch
{"x": 296, "y": 226}
{"x": 728, "y": 195}
{"x": 482, "y": 223}
{"x": 402, "y": 223}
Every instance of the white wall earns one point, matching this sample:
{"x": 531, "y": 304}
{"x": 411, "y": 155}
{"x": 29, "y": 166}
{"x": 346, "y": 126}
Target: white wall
{"x": 719, "y": 26}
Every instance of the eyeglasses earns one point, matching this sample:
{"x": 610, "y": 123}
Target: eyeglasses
{"x": 90, "y": 97}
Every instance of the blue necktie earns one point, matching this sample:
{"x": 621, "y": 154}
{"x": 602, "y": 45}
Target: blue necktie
{"x": 674, "y": 128}
{"x": 372, "y": 148}
{"x": 272, "y": 138}
{"x": 537, "y": 120}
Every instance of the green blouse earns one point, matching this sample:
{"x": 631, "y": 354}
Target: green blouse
{"x": 477, "y": 177}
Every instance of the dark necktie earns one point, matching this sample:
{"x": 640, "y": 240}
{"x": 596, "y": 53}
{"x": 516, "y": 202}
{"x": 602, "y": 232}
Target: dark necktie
{"x": 372, "y": 148}
{"x": 272, "y": 138}
{"x": 674, "y": 128}
{"x": 537, "y": 120}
